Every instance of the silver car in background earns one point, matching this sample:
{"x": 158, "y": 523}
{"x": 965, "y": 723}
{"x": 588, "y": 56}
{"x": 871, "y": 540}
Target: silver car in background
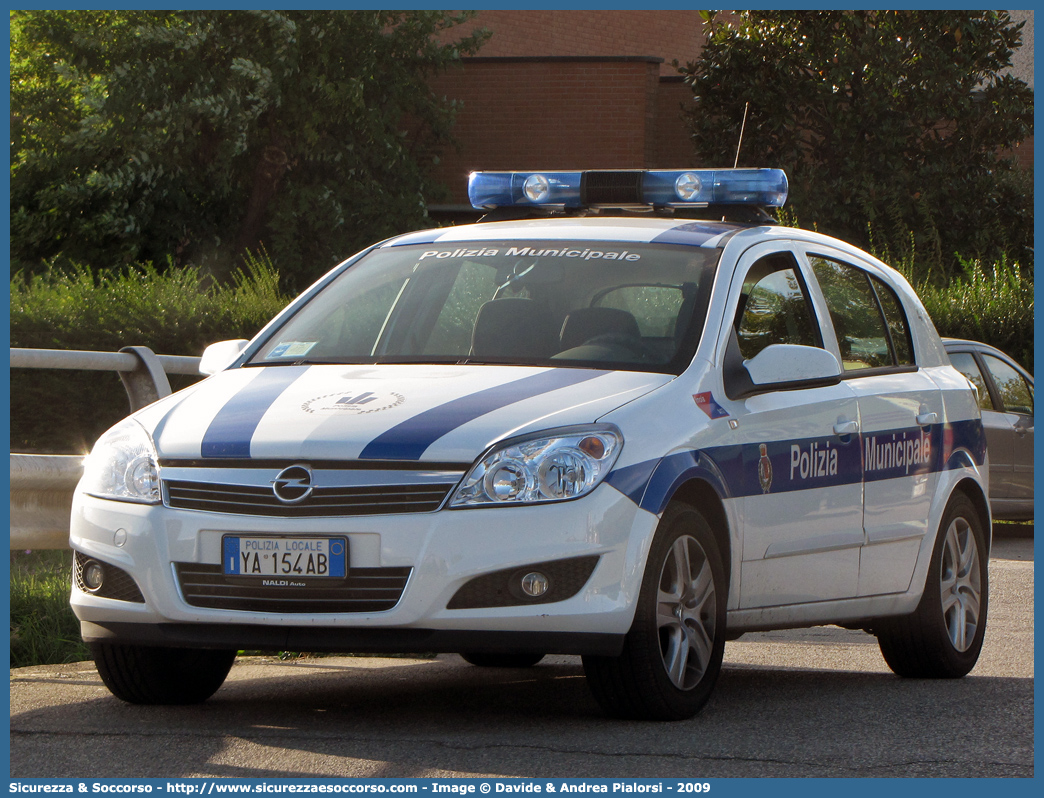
{"x": 1006, "y": 401}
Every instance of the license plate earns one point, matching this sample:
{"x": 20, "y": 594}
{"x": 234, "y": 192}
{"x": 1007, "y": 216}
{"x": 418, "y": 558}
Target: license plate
{"x": 301, "y": 558}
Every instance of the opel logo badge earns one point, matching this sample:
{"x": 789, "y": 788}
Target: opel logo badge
{"x": 293, "y": 485}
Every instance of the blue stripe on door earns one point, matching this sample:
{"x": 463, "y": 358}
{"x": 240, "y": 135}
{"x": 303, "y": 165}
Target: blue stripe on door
{"x": 409, "y": 440}
{"x": 805, "y": 464}
{"x": 230, "y": 432}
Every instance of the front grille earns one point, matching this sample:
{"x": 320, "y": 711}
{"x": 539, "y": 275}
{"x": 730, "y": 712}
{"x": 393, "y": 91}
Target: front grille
{"x": 117, "y": 583}
{"x": 323, "y": 502}
{"x": 363, "y": 590}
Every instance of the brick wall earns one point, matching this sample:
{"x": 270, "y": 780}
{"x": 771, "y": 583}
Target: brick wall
{"x": 551, "y": 113}
{"x": 665, "y": 34}
{"x": 674, "y": 148}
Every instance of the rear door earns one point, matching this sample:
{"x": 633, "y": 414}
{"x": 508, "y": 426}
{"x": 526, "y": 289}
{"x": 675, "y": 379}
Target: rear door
{"x": 1000, "y": 433}
{"x": 1015, "y": 397}
{"x": 900, "y": 417}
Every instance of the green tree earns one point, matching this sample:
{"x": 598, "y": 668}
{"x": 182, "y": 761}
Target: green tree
{"x": 895, "y": 120}
{"x": 198, "y": 135}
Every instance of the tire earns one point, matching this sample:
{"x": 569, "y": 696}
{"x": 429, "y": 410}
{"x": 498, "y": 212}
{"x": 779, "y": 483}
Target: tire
{"x": 672, "y": 655}
{"x": 943, "y": 637}
{"x": 502, "y": 660}
{"x": 148, "y": 675}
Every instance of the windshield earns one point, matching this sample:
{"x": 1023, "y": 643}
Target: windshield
{"x": 574, "y": 304}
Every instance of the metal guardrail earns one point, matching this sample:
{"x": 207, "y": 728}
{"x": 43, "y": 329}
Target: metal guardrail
{"x": 42, "y": 484}
{"x": 143, "y": 372}
{"x": 41, "y": 499}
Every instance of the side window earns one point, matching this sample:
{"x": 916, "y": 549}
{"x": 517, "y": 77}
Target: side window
{"x": 898, "y": 329}
{"x": 774, "y": 308}
{"x": 862, "y": 335}
{"x": 965, "y": 363}
{"x": 1015, "y": 392}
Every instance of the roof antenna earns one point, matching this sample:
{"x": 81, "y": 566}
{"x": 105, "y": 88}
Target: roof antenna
{"x": 743, "y": 126}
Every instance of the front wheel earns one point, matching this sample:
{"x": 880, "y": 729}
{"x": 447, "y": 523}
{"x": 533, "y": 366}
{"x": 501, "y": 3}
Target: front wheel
{"x": 943, "y": 637}
{"x": 157, "y": 675}
{"x": 672, "y": 654}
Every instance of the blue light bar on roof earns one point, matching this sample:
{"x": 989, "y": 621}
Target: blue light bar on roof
{"x": 507, "y": 189}
{"x": 716, "y": 187}
{"x": 677, "y": 187}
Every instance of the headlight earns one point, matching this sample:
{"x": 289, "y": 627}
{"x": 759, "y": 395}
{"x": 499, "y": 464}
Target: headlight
{"x": 123, "y": 466}
{"x": 549, "y": 467}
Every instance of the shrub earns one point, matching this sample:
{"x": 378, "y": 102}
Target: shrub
{"x": 993, "y": 305}
{"x": 174, "y": 312}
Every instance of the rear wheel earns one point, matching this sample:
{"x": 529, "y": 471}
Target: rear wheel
{"x": 943, "y": 637}
{"x": 156, "y": 675}
{"x": 502, "y": 659}
{"x": 672, "y": 654}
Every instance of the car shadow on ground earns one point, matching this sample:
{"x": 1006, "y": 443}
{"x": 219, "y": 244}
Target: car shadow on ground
{"x": 320, "y": 717}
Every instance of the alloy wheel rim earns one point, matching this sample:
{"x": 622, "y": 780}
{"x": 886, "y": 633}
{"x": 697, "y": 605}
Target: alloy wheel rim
{"x": 686, "y": 613}
{"x": 960, "y": 584}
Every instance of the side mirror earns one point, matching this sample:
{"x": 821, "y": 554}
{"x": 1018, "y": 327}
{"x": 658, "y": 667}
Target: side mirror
{"x": 217, "y": 357}
{"x": 789, "y": 366}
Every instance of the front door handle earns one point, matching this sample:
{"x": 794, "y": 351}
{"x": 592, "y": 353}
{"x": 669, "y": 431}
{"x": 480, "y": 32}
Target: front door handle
{"x": 926, "y": 419}
{"x": 846, "y": 428}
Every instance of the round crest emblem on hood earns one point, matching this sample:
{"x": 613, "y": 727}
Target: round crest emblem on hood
{"x": 293, "y": 484}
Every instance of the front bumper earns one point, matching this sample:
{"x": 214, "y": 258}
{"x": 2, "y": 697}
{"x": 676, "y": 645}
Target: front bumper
{"x": 358, "y": 641}
{"x": 440, "y": 551}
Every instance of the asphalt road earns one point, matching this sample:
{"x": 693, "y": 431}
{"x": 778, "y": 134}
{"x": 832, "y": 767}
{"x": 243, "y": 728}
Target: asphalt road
{"x": 807, "y": 703}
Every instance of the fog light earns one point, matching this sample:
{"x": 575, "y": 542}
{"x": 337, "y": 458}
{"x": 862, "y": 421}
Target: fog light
{"x": 535, "y": 584}
{"x": 93, "y": 575}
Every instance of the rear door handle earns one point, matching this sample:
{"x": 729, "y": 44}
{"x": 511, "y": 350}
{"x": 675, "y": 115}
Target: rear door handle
{"x": 926, "y": 419}
{"x": 846, "y": 428}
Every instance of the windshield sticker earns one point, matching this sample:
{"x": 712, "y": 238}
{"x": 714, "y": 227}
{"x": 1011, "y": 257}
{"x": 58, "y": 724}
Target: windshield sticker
{"x": 291, "y": 349}
{"x": 530, "y": 252}
{"x": 355, "y": 403}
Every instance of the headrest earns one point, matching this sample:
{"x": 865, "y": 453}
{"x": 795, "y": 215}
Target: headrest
{"x": 513, "y": 328}
{"x": 586, "y": 323}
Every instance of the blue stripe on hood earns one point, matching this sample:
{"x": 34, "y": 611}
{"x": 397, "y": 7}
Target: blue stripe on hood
{"x": 230, "y": 432}
{"x": 409, "y": 440}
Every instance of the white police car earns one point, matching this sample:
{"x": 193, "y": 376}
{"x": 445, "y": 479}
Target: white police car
{"x": 628, "y": 434}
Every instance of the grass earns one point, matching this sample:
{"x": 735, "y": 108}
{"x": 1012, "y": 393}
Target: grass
{"x": 44, "y": 630}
